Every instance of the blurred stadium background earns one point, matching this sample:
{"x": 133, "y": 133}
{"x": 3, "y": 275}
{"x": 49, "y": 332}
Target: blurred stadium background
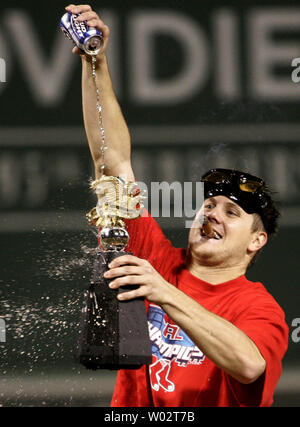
{"x": 201, "y": 85}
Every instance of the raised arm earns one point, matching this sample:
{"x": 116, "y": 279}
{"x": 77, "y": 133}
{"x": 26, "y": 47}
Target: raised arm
{"x": 117, "y": 157}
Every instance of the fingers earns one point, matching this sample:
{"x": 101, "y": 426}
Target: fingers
{"x": 88, "y": 17}
{"x": 93, "y": 20}
{"x": 125, "y": 275}
{"x": 128, "y": 280}
{"x": 125, "y": 280}
{"x": 125, "y": 296}
{"x": 86, "y": 13}
{"x": 121, "y": 271}
{"x": 130, "y": 270}
{"x": 126, "y": 259}
{"x": 80, "y": 8}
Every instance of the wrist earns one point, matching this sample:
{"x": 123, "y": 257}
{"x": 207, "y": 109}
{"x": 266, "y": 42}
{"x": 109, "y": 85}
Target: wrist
{"x": 169, "y": 297}
{"x": 101, "y": 59}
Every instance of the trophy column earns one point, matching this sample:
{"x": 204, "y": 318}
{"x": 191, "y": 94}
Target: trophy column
{"x": 113, "y": 334}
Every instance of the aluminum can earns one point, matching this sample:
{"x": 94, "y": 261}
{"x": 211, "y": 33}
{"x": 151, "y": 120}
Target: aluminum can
{"x": 88, "y": 39}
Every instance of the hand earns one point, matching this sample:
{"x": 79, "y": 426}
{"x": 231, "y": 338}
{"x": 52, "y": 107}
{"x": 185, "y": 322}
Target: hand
{"x": 131, "y": 270}
{"x": 92, "y": 19}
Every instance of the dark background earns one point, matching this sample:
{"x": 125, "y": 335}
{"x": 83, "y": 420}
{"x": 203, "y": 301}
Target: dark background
{"x": 235, "y": 112}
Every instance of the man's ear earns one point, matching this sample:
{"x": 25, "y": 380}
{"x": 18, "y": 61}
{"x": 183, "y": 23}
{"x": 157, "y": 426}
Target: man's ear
{"x": 258, "y": 240}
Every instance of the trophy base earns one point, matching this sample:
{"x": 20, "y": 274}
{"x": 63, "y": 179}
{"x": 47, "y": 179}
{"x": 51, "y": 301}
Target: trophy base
{"x": 113, "y": 334}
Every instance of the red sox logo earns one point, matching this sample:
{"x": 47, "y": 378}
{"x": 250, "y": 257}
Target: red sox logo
{"x": 159, "y": 373}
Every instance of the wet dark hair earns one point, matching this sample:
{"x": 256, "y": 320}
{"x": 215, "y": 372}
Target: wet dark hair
{"x": 270, "y": 213}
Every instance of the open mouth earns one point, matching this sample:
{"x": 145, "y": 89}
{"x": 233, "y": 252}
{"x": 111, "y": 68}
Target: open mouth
{"x": 213, "y": 235}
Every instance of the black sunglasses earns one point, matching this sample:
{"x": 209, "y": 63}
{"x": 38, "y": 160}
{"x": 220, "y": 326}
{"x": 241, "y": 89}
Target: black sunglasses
{"x": 246, "y": 182}
{"x": 228, "y": 181}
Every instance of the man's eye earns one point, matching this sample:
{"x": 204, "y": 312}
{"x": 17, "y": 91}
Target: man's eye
{"x": 230, "y": 212}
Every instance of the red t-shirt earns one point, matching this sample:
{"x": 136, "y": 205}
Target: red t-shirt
{"x": 180, "y": 374}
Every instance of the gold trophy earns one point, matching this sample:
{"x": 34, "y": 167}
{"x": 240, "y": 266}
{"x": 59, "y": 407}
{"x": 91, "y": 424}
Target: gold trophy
{"x": 113, "y": 334}
{"x": 117, "y": 200}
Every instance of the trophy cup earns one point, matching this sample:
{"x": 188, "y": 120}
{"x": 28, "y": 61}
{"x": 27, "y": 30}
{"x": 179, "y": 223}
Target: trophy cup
{"x": 113, "y": 334}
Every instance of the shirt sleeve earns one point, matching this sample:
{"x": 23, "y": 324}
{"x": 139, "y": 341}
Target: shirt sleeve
{"x": 148, "y": 241}
{"x": 265, "y": 325}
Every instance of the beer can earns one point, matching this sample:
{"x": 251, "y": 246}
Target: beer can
{"x": 88, "y": 39}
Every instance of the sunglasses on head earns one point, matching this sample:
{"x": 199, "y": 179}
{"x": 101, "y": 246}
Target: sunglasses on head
{"x": 245, "y": 181}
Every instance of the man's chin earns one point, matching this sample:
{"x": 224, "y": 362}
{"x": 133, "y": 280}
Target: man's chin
{"x": 203, "y": 251}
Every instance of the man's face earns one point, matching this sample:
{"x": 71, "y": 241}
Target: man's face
{"x": 232, "y": 234}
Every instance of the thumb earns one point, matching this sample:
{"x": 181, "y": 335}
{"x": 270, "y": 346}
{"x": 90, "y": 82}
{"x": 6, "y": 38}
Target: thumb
{"x": 77, "y": 51}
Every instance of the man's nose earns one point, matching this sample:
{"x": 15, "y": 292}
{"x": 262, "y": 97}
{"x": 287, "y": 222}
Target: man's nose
{"x": 214, "y": 215}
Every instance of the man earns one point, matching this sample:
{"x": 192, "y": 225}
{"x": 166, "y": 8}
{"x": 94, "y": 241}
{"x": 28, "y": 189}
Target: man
{"x": 217, "y": 338}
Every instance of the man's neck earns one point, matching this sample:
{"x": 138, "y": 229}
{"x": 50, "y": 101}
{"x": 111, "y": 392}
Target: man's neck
{"x": 214, "y": 274}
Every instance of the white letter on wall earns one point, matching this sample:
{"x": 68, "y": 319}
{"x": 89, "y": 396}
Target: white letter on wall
{"x": 265, "y": 53}
{"x": 144, "y": 88}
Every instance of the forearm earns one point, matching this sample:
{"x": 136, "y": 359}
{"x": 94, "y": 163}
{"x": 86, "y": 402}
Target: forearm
{"x": 222, "y": 342}
{"x": 117, "y": 156}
